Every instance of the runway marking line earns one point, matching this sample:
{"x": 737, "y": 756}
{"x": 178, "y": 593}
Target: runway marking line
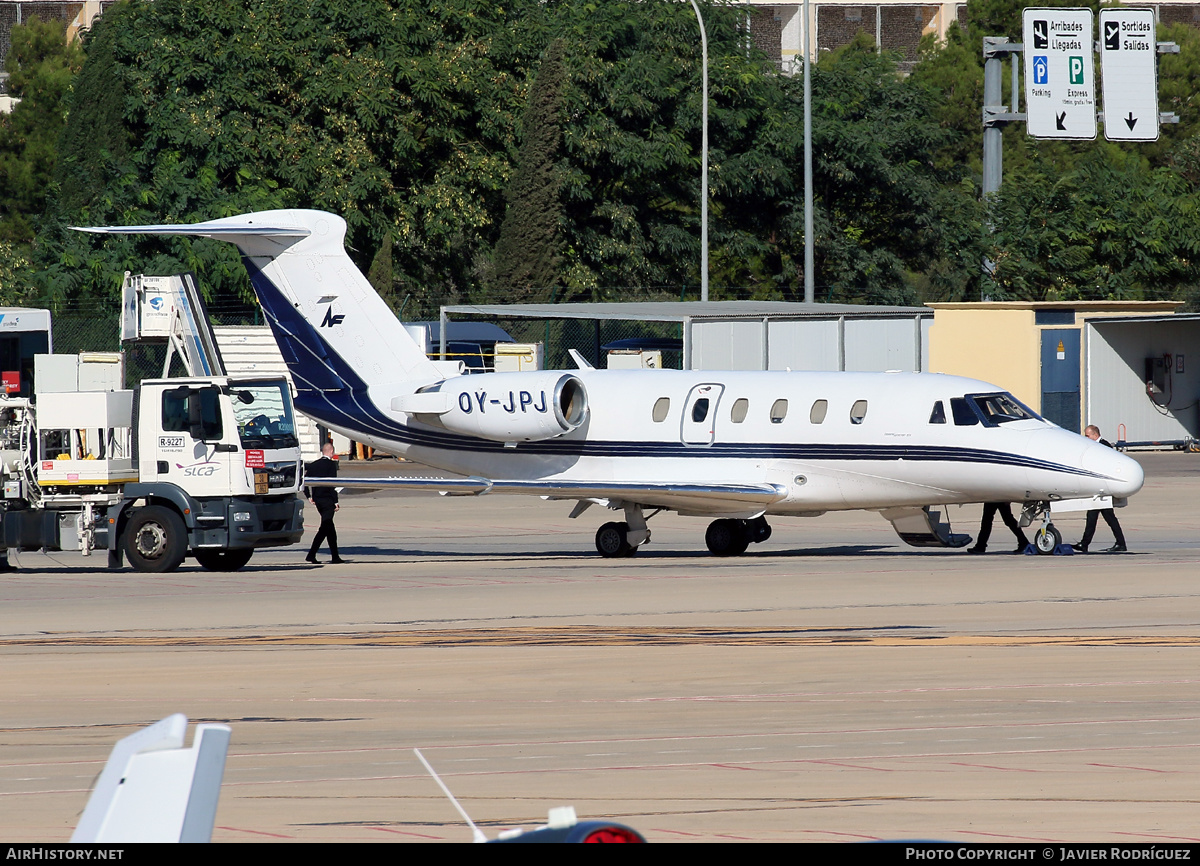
{"x": 588, "y": 635}
{"x": 1010, "y": 769}
{"x": 838, "y": 764}
{"x": 406, "y": 833}
{"x": 255, "y": 832}
{"x": 1007, "y": 836}
{"x": 1157, "y": 836}
{"x": 1128, "y": 767}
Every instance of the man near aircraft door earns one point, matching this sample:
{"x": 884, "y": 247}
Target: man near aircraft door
{"x": 1110, "y": 517}
{"x": 326, "y": 501}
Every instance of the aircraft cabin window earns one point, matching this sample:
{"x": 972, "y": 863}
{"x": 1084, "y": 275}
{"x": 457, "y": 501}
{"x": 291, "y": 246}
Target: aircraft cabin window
{"x": 700, "y": 410}
{"x": 738, "y": 414}
{"x": 858, "y": 411}
{"x": 816, "y": 415}
{"x": 778, "y": 411}
{"x": 963, "y": 415}
{"x": 661, "y": 407}
{"x": 938, "y": 415}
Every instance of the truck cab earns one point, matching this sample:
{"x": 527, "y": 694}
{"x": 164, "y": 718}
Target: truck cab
{"x": 218, "y": 466}
{"x": 219, "y": 437}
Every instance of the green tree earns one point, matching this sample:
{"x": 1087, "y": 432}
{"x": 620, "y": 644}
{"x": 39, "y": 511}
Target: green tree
{"x": 1107, "y": 229}
{"x": 528, "y": 252}
{"x": 17, "y": 287}
{"x": 40, "y": 65}
{"x": 381, "y": 274}
{"x": 1178, "y": 92}
{"x": 399, "y": 116}
{"x": 884, "y": 209}
{"x": 954, "y": 70}
{"x": 631, "y": 180}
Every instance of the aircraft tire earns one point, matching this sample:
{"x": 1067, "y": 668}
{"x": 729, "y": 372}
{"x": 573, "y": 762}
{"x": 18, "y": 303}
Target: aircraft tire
{"x": 1046, "y": 540}
{"x": 727, "y": 537}
{"x": 759, "y": 529}
{"x": 155, "y": 539}
{"x": 611, "y": 542}
{"x": 224, "y": 560}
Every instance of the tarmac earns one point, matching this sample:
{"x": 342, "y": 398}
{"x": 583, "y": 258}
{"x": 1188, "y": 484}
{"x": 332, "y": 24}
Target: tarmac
{"x": 830, "y": 685}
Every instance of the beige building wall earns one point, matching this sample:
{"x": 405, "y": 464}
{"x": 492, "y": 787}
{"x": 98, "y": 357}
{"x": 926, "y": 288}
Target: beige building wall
{"x": 1000, "y": 342}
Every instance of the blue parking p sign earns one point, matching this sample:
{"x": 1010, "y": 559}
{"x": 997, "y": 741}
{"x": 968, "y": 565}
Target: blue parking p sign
{"x": 1041, "y": 69}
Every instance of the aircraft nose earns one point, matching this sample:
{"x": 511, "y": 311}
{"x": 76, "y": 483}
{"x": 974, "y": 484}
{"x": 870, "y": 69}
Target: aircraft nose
{"x": 1126, "y": 473}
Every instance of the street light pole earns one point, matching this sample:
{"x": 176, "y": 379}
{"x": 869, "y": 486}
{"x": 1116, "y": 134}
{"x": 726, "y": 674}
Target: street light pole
{"x": 809, "y": 280}
{"x": 704, "y": 162}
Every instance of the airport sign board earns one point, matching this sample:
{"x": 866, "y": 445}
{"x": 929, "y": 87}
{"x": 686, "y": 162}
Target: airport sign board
{"x": 1128, "y": 71}
{"x": 1060, "y": 86}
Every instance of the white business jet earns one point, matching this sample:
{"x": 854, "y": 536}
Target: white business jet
{"x": 733, "y": 447}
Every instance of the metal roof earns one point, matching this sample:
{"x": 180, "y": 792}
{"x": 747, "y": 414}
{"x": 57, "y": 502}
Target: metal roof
{"x": 1081, "y": 307}
{"x": 471, "y": 332}
{"x": 1166, "y": 317}
{"x": 680, "y": 311}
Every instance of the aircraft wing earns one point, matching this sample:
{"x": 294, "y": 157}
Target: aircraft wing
{"x": 687, "y": 497}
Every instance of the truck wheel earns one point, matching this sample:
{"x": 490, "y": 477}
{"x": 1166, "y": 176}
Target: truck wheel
{"x": 224, "y": 560}
{"x": 155, "y": 539}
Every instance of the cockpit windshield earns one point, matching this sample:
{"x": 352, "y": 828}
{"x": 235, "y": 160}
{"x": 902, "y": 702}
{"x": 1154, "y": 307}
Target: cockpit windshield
{"x": 1001, "y": 408}
{"x": 263, "y": 411}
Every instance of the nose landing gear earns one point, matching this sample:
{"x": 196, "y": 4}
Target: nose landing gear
{"x": 1047, "y": 539}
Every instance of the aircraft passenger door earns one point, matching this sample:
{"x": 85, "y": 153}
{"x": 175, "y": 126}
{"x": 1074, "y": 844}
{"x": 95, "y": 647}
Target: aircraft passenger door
{"x": 700, "y": 414}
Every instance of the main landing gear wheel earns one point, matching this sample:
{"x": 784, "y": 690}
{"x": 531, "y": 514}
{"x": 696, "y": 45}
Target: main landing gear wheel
{"x": 223, "y": 560}
{"x": 156, "y": 539}
{"x": 1046, "y": 540}
{"x": 611, "y": 542}
{"x": 727, "y": 537}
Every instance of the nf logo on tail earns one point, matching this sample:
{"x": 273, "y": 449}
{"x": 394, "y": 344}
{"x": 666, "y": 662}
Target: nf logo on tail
{"x": 330, "y": 319}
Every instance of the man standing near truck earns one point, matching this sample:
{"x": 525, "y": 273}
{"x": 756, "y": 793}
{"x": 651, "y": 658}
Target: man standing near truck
{"x": 326, "y": 501}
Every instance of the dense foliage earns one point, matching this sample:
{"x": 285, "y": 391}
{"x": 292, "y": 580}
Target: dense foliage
{"x": 40, "y": 66}
{"x": 551, "y": 149}
{"x": 529, "y": 252}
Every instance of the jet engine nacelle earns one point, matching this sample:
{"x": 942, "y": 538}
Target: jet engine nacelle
{"x": 503, "y": 407}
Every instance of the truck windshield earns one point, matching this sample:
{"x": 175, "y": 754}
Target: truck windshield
{"x": 263, "y": 412}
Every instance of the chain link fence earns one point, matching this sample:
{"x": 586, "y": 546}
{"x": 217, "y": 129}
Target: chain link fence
{"x": 589, "y": 338}
{"x": 96, "y": 327}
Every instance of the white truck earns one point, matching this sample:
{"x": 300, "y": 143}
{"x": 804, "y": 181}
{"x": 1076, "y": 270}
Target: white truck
{"x": 207, "y": 466}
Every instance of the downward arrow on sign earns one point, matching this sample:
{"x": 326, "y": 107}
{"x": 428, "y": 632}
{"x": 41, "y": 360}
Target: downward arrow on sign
{"x": 1059, "y": 121}
{"x": 1131, "y": 121}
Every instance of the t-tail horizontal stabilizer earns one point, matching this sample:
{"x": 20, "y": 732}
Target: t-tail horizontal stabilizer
{"x": 335, "y": 332}
{"x": 924, "y": 527}
{"x": 154, "y": 790}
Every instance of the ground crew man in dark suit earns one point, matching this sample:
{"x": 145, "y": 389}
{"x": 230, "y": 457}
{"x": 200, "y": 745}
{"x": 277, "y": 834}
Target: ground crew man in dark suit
{"x": 326, "y": 501}
{"x": 1110, "y": 517}
{"x": 985, "y": 527}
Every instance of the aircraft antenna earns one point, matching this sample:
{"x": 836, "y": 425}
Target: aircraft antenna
{"x": 476, "y": 832}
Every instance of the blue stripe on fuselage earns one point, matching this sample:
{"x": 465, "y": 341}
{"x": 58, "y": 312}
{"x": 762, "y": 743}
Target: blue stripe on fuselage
{"x": 331, "y": 391}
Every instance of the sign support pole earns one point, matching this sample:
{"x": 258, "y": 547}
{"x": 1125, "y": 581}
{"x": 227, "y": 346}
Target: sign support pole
{"x": 995, "y": 113}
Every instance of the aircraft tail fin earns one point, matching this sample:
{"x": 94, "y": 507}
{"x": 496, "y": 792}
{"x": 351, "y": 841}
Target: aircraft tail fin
{"x": 333, "y": 329}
